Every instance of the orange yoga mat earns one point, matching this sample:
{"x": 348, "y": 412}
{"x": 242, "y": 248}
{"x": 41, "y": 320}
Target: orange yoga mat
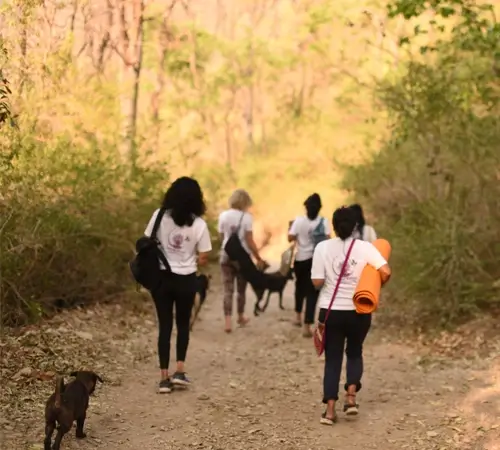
{"x": 367, "y": 295}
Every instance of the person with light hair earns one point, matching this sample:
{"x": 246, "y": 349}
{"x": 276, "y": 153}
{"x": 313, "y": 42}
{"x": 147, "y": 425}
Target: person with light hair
{"x": 236, "y": 219}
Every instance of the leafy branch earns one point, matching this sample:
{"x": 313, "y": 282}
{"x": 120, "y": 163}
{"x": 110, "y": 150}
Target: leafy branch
{"x": 469, "y": 26}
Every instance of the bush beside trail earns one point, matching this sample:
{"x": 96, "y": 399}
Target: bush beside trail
{"x": 69, "y": 215}
{"x": 434, "y": 188}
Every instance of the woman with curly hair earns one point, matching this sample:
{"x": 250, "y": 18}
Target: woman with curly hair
{"x": 185, "y": 242}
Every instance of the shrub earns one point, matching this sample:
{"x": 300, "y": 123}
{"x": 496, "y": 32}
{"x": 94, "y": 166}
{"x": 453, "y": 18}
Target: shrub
{"x": 69, "y": 214}
{"x": 434, "y": 188}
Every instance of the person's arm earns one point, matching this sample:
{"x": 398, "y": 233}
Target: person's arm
{"x": 204, "y": 246}
{"x": 252, "y": 245}
{"x": 219, "y": 229}
{"x": 318, "y": 268}
{"x": 292, "y": 233}
{"x": 247, "y": 225}
{"x": 375, "y": 259}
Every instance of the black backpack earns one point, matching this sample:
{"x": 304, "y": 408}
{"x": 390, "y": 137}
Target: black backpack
{"x": 237, "y": 253}
{"x": 234, "y": 248}
{"x": 145, "y": 267}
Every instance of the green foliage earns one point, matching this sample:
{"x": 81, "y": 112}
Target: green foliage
{"x": 434, "y": 184}
{"x": 69, "y": 217}
{"x": 469, "y": 26}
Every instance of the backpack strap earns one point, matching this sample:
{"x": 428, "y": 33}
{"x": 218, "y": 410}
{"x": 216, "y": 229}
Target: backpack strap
{"x": 157, "y": 223}
{"x": 339, "y": 279}
{"x": 320, "y": 225}
{"x": 239, "y": 223}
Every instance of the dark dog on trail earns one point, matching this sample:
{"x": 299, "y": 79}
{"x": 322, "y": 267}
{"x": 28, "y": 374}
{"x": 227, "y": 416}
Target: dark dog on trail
{"x": 67, "y": 404}
{"x": 202, "y": 287}
{"x": 276, "y": 284}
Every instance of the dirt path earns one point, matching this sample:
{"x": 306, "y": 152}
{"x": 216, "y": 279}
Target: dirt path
{"x": 260, "y": 388}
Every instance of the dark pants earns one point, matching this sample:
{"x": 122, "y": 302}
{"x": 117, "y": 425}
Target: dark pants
{"x": 179, "y": 290}
{"x": 342, "y": 327}
{"x": 304, "y": 289}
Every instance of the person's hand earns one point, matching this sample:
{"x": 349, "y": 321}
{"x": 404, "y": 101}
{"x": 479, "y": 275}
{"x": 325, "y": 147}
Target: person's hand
{"x": 261, "y": 264}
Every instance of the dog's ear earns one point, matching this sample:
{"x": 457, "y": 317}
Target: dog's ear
{"x": 74, "y": 373}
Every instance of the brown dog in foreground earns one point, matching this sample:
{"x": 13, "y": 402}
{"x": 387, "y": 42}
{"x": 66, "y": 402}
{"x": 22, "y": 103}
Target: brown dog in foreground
{"x": 67, "y": 404}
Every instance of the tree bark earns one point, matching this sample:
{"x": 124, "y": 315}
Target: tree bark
{"x": 129, "y": 48}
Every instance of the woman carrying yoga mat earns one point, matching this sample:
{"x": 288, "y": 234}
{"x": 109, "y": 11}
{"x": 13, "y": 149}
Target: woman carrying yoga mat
{"x": 336, "y": 268}
{"x": 367, "y": 296}
{"x": 238, "y": 220}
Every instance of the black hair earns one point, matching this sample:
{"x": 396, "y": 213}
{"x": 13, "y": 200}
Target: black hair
{"x": 360, "y": 218}
{"x": 344, "y": 222}
{"x": 313, "y": 206}
{"x": 184, "y": 201}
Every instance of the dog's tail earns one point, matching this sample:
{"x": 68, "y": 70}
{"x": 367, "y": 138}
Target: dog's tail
{"x": 59, "y": 390}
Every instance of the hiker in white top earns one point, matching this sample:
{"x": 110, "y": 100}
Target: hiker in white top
{"x": 185, "y": 241}
{"x": 236, "y": 216}
{"x": 362, "y": 230}
{"x": 306, "y": 231}
{"x": 344, "y": 324}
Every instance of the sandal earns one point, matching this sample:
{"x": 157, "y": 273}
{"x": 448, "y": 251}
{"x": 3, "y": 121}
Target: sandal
{"x": 243, "y": 322}
{"x": 328, "y": 420}
{"x": 351, "y": 409}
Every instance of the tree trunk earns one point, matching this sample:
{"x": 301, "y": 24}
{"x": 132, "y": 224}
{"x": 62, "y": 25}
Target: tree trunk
{"x": 129, "y": 101}
{"x": 130, "y": 49}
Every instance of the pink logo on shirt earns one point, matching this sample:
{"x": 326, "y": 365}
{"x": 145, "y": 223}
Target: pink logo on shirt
{"x": 338, "y": 263}
{"x": 175, "y": 240}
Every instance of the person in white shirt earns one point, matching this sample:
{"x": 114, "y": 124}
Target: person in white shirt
{"x": 344, "y": 324}
{"x": 185, "y": 242}
{"x": 301, "y": 232}
{"x": 362, "y": 230}
{"x": 236, "y": 218}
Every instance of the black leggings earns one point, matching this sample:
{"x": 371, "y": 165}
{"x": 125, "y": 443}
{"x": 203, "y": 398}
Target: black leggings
{"x": 305, "y": 289}
{"x": 179, "y": 290}
{"x": 343, "y": 326}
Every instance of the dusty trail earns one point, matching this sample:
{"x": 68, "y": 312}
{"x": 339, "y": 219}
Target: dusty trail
{"x": 260, "y": 388}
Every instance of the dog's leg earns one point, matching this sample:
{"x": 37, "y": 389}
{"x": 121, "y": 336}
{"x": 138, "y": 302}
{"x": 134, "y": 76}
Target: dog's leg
{"x": 267, "y": 301}
{"x": 194, "y": 311}
{"x": 49, "y": 431}
{"x": 281, "y": 300}
{"x": 60, "y": 434}
{"x": 79, "y": 427}
{"x": 256, "y": 308}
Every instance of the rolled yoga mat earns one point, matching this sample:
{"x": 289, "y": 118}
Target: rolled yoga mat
{"x": 367, "y": 295}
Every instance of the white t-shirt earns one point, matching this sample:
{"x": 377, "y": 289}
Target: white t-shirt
{"x": 228, "y": 223}
{"x": 368, "y": 234}
{"x": 303, "y": 228}
{"x": 329, "y": 256}
{"x": 181, "y": 244}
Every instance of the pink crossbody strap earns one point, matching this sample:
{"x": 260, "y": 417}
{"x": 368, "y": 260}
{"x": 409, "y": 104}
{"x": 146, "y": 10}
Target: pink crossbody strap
{"x": 339, "y": 279}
